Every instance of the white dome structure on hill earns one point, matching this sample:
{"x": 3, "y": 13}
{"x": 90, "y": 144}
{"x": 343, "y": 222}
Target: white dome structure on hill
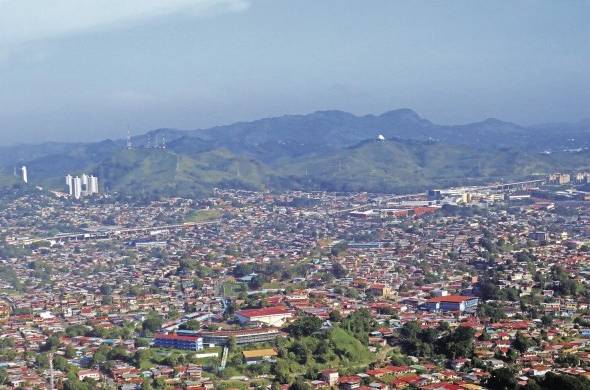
{"x": 380, "y": 137}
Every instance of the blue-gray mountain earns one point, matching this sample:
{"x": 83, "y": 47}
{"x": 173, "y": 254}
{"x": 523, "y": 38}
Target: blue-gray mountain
{"x": 330, "y": 150}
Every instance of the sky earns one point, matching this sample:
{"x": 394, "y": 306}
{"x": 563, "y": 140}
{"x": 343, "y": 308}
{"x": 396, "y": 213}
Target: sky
{"x": 84, "y": 70}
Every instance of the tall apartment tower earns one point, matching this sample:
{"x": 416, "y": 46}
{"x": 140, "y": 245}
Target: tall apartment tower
{"x": 83, "y": 185}
{"x": 24, "y": 174}
{"x": 85, "y": 189}
{"x": 77, "y": 187}
{"x": 70, "y": 184}
{"x": 92, "y": 185}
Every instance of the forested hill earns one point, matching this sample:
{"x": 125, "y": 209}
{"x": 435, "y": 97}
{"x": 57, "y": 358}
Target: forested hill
{"x": 329, "y": 150}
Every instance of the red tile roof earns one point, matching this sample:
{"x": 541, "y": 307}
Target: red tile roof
{"x": 451, "y": 298}
{"x": 267, "y": 311}
{"x": 171, "y": 336}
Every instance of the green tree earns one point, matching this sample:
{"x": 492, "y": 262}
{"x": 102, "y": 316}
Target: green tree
{"x": 299, "y": 384}
{"x": 51, "y": 344}
{"x": 70, "y": 352}
{"x": 502, "y": 379}
{"x": 153, "y": 322}
{"x": 304, "y": 326}
{"x": 191, "y": 325}
{"x": 338, "y": 270}
{"x": 232, "y": 344}
{"x": 335, "y": 316}
{"x": 521, "y": 343}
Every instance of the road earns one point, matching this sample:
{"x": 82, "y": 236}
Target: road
{"x": 115, "y": 232}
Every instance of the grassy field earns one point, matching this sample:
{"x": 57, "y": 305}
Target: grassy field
{"x": 204, "y": 215}
{"x": 273, "y": 285}
{"x": 232, "y": 289}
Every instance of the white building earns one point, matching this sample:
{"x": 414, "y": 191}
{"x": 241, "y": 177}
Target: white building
{"x": 70, "y": 184}
{"x": 83, "y": 185}
{"x": 92, "y": 185}
{"x": 25, "y": 175}
{"x": 84, "y": 179}
{"x": 273, "y": 316}
{"x": 77, "y": 187}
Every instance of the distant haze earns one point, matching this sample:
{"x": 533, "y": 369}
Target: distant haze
{"x": 80, "y": 70}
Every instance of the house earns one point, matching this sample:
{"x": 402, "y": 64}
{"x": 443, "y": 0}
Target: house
{"x": 330, "y": 376}
{"x": 349, "y": 382}
{"x": 256, "y": 356}
{"x": 380, "y": 290}
{"x": 92, "y": 374}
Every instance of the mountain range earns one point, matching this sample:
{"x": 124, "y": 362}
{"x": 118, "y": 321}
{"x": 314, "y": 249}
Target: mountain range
{"x": 329, "y": 150}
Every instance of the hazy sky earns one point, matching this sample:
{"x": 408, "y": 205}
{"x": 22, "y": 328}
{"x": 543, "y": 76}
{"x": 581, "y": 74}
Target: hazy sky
{"x": 84, "y": 69}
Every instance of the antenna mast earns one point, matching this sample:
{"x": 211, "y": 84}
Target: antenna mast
{"x": 129, "y": 145}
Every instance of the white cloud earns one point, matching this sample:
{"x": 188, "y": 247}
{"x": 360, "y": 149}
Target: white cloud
{"x": 30, "y": 20}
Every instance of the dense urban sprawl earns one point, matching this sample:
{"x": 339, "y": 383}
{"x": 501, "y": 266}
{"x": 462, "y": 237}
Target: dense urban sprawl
{"x": 465, "y": 288}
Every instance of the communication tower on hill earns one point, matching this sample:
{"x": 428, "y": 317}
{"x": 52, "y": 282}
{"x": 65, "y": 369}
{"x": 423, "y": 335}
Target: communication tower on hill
{"x": 129, "y": 145}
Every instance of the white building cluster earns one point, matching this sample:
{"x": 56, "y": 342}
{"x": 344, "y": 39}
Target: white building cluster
{"x": 80, "y": 186}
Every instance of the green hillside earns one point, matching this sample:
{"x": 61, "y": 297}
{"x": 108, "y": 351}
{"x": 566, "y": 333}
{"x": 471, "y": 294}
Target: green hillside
{"x": 7, "y": 180}
{"x": 399, "y": 166}
{"x": 159, "y": 171}
{"x": 376, "y": 166}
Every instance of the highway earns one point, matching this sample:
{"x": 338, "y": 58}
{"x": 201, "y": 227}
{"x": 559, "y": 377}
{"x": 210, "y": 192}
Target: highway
{"x": 501, "y": 186}
{"x": 116, "y": 232}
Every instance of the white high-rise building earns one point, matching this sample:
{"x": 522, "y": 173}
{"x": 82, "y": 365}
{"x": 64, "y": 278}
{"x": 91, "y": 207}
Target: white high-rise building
{"x": 85, "y": 189}
{"x": 92, "y": 185}
{"x": 83, "y": 185}
{"x": 77, "y": 187}
{"x": 70, "y": 184}
{"x": 25, "y": 175}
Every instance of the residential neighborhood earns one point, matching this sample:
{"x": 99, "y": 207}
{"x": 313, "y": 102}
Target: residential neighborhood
{"x": 460, "y": 288}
